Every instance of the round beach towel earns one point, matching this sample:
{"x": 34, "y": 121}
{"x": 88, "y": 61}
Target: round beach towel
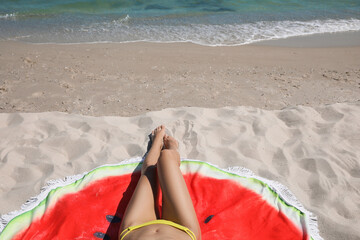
{"x": 230, "y": 204}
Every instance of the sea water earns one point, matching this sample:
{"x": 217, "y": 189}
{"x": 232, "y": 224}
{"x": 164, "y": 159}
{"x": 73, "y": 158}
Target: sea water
{"x": 206, "y": 22}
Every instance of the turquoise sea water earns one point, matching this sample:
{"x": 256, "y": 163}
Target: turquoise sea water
{"x": 204, "y": 22}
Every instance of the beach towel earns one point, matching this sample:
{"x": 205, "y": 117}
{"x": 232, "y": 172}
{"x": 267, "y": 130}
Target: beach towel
{"x": 230, "y": 204}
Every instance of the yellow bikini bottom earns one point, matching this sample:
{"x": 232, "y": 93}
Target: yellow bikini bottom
{"x": 159, "y": 221}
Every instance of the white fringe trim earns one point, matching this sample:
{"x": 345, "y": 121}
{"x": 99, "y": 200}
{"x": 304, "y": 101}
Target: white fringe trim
{"x": 286, "y": 195}
{"x": 280, "y": 189}
{"x": 50, "y": 185}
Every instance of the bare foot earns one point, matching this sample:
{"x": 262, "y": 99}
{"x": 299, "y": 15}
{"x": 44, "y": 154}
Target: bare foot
{"x": 157, "y": 136}
{"x": 170, "y": 143}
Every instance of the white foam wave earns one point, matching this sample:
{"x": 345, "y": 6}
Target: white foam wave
{"x": 127, "y": 29}
{"x": 216, "y": 35}
{"x": 122, "y": 20}
{"x": 8, "y": 16}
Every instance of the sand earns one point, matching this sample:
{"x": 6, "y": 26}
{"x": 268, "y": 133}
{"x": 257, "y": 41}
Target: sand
{"x": 288, "y": 114}
{"x": 133, "y": 78}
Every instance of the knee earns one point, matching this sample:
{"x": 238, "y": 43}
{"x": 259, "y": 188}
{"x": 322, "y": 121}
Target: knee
{"x": 168, "y": 156}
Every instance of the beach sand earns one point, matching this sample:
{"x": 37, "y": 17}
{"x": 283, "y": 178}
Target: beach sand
{"x": 133, "y": 78}
{"x": 288, "y": 114}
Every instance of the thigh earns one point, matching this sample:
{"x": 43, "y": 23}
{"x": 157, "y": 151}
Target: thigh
{"x": 141, "y": 207}
{"x": 177, "y": 203}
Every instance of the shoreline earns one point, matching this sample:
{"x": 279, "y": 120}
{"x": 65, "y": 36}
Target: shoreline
{"x": 318, "y": 40}
{"x": 315, "y": 40}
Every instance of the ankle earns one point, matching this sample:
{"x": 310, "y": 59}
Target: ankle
{"x": 157, "y": 143}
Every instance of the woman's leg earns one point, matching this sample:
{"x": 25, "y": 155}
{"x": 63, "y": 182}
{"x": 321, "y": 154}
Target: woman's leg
{"x": 141, "y": 207}
{"x": 177, "y": 203}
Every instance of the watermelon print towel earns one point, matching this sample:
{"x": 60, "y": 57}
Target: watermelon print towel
{"x": 230, "y": 204}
